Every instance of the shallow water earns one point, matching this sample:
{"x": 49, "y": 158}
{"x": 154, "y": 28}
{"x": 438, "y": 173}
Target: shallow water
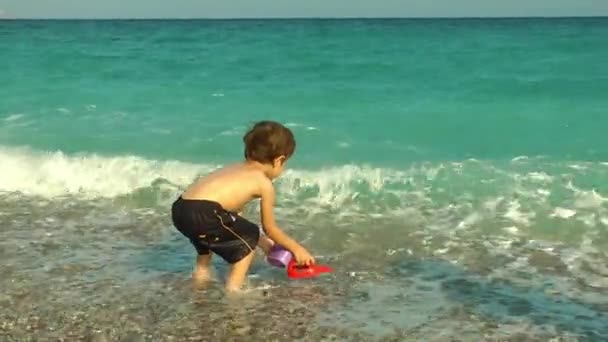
{"x": 72, "y": 268}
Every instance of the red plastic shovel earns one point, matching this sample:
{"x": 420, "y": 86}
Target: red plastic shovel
{"x": 296, "y": 271}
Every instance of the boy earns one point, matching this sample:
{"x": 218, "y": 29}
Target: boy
{"x": 206, "y": 213}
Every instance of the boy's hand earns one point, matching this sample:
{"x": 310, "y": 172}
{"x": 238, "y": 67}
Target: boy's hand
{"x": 303, "y": 257}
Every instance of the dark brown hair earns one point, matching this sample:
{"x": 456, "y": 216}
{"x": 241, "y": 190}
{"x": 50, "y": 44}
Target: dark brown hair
{"x": 267, "y": 140}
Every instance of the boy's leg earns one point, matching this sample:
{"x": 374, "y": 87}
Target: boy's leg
{"x": 201, "y": 272}
{"x": 238, "y": 272}
{"x": 237, "y": 246}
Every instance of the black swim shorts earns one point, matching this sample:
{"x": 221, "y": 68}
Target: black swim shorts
{"x": 212, "y": 228}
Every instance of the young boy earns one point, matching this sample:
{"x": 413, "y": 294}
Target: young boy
{"x": 206, "y": 213}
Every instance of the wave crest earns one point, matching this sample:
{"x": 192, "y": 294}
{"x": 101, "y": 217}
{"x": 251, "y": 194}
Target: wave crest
{"x": 517, "y": 188}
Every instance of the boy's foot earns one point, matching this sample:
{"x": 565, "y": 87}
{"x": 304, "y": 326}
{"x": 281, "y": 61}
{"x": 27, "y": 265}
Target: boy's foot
{"x": 200, "y": 281}
{"x": 233, "y": 290}
{"x": 201, "y": 275}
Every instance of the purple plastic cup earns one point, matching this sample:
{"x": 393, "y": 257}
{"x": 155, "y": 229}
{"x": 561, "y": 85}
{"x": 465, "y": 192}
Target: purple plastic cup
{"x": 279, "y": 256}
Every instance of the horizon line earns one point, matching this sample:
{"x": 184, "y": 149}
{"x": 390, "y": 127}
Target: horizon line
{"x": 305, "y": 18}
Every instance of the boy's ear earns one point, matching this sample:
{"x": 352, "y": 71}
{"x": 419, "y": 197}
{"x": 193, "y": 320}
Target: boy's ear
{"x": 280, "y": 160}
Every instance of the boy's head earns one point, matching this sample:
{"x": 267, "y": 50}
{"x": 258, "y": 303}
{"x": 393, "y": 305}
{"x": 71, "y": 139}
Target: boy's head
{"x": 269, "y": 142}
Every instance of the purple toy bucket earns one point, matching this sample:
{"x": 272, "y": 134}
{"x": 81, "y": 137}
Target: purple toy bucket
{"x": 279, "y": 256}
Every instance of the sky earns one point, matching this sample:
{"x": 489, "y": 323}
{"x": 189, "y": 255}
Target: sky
{"x": 302, "y": 8}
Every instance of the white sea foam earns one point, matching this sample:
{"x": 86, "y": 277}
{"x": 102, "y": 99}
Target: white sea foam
{"x": 543, "y": 192}
{"x": 563, "y": 213}
{"x": 539, "y": 177}
{"x": 232, "y": 132}
{"x": 51, "y": 174}
{"x": 13, "y": 117}
{"x": 520, "y": 158}
{"x": 511, "y": 230}
{"x": 516, "y": 215}
{"x": 470, "y": 220}
{"x": 577, "y": 167}
{"x": 589, "y": 199}
{"x": 428, "y": 194}
{"x": 505, "y": 244}
{"x": 492, "y": 204}
{"x": 294, "y": 124}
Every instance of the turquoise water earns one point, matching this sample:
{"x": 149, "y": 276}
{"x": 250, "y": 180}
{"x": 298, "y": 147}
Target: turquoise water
{"x": 474, "y": 146}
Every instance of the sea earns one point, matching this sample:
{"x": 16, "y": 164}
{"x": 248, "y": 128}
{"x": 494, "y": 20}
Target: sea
{"x": 452, "y": 172}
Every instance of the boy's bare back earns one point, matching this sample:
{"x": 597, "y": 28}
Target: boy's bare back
{"x": 232, "y": 186}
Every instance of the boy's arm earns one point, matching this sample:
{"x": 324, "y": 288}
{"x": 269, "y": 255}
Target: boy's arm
{"x": 268, "y": 222}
